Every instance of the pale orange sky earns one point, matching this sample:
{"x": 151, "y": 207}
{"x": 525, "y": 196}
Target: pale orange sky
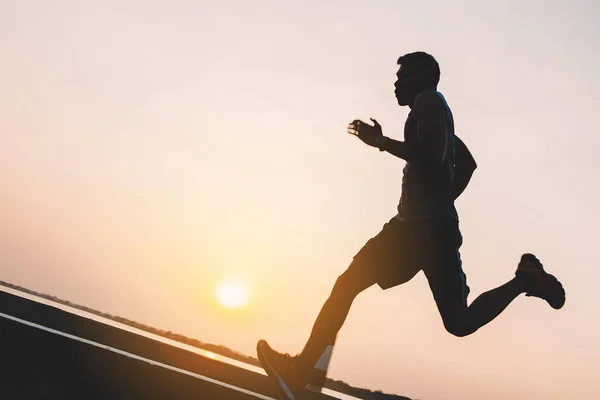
{"x": 148, "y": 149}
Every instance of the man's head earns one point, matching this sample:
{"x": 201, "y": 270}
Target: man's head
{"x": 418, "y": 72}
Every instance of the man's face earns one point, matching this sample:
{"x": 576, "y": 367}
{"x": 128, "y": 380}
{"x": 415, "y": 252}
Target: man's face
{"x": 404, "y": 90}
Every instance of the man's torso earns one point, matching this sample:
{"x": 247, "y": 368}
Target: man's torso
{"x": 427, "y": 188}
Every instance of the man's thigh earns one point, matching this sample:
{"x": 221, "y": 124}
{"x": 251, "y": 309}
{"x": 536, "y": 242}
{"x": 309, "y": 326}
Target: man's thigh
{"x": 390, "y": 258}
{"x": 443, "y": 268}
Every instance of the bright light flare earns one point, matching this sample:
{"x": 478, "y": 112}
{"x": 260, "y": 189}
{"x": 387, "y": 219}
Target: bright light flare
{"x": 232, "y": 294}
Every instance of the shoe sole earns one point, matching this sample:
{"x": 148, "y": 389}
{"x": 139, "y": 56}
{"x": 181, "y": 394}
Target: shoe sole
{"x": 272, "y": 373}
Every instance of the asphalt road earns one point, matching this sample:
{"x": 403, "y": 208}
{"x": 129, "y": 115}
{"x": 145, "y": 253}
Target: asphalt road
{"x": 48, "y": 353}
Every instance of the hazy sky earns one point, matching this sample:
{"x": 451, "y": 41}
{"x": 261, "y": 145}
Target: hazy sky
{"x": 148, "y": 149}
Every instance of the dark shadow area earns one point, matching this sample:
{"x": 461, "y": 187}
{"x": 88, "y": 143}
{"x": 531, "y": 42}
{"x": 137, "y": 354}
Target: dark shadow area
{"x": 148, "y": 348}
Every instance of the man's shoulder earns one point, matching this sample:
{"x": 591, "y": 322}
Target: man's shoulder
{"x": 430, "y": 96}
{"x": 429, "y": 102}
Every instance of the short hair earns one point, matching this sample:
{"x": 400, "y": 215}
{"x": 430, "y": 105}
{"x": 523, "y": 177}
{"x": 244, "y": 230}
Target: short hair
{"x": 423, "y": 64}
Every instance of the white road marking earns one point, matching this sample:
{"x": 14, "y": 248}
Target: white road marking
{"x": 136, "y": 357}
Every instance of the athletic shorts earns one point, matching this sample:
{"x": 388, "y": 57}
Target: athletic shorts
{"x": 403, "y": 248}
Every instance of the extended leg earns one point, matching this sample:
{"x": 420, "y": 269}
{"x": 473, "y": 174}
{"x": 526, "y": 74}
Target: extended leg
{"x": 387, "y": 259}
{"x": 333, "y": 314}
{"x": 292, "y": 373}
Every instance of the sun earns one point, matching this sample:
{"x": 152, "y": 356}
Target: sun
{"x": 232, "y": 293}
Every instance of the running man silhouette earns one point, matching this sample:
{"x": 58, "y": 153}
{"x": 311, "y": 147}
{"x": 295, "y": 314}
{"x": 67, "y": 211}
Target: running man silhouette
{"x": 423, "y": 235}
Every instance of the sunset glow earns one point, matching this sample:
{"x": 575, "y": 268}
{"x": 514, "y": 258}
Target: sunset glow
{"x": 187, "y": 166}
{"x": 232, "y": 294}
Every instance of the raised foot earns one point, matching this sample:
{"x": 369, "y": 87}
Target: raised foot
{"x": 539, "y": 283}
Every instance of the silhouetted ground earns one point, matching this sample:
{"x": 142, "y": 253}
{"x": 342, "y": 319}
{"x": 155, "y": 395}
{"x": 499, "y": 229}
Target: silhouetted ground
{"x": 54, "y": 318}
{"x": 40, "y": 365}
{"x": 48, "y": 353}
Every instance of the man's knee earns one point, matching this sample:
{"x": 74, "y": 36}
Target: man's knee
{"x": 458, "y": 329}
{"x": 456, "y": 322}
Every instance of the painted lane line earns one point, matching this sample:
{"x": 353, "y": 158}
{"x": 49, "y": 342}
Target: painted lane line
{"x": 135, "y": 357}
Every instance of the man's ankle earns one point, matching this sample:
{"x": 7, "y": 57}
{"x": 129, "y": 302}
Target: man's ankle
{"x": 523, "y": 282}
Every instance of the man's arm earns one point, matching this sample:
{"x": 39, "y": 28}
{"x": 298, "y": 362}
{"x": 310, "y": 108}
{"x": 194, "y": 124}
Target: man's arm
{"x": 464, "y": 166}
{"x": 373, "y": 136}
{"x": 401, "y": 150}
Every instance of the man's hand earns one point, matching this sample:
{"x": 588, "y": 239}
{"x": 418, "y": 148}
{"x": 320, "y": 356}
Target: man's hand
{"x": 366, "y": 132}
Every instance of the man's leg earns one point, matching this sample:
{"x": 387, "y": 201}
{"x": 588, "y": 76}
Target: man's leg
{"x": 386, "y": 259}
{"x": 304, "y": 369}
{"x": 461, "y": 320}
{"x": 530, "y": 278}
{"x": 332, "y": 315}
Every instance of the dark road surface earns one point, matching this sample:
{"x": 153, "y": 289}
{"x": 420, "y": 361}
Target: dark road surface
{"x": 48, "y": 353}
